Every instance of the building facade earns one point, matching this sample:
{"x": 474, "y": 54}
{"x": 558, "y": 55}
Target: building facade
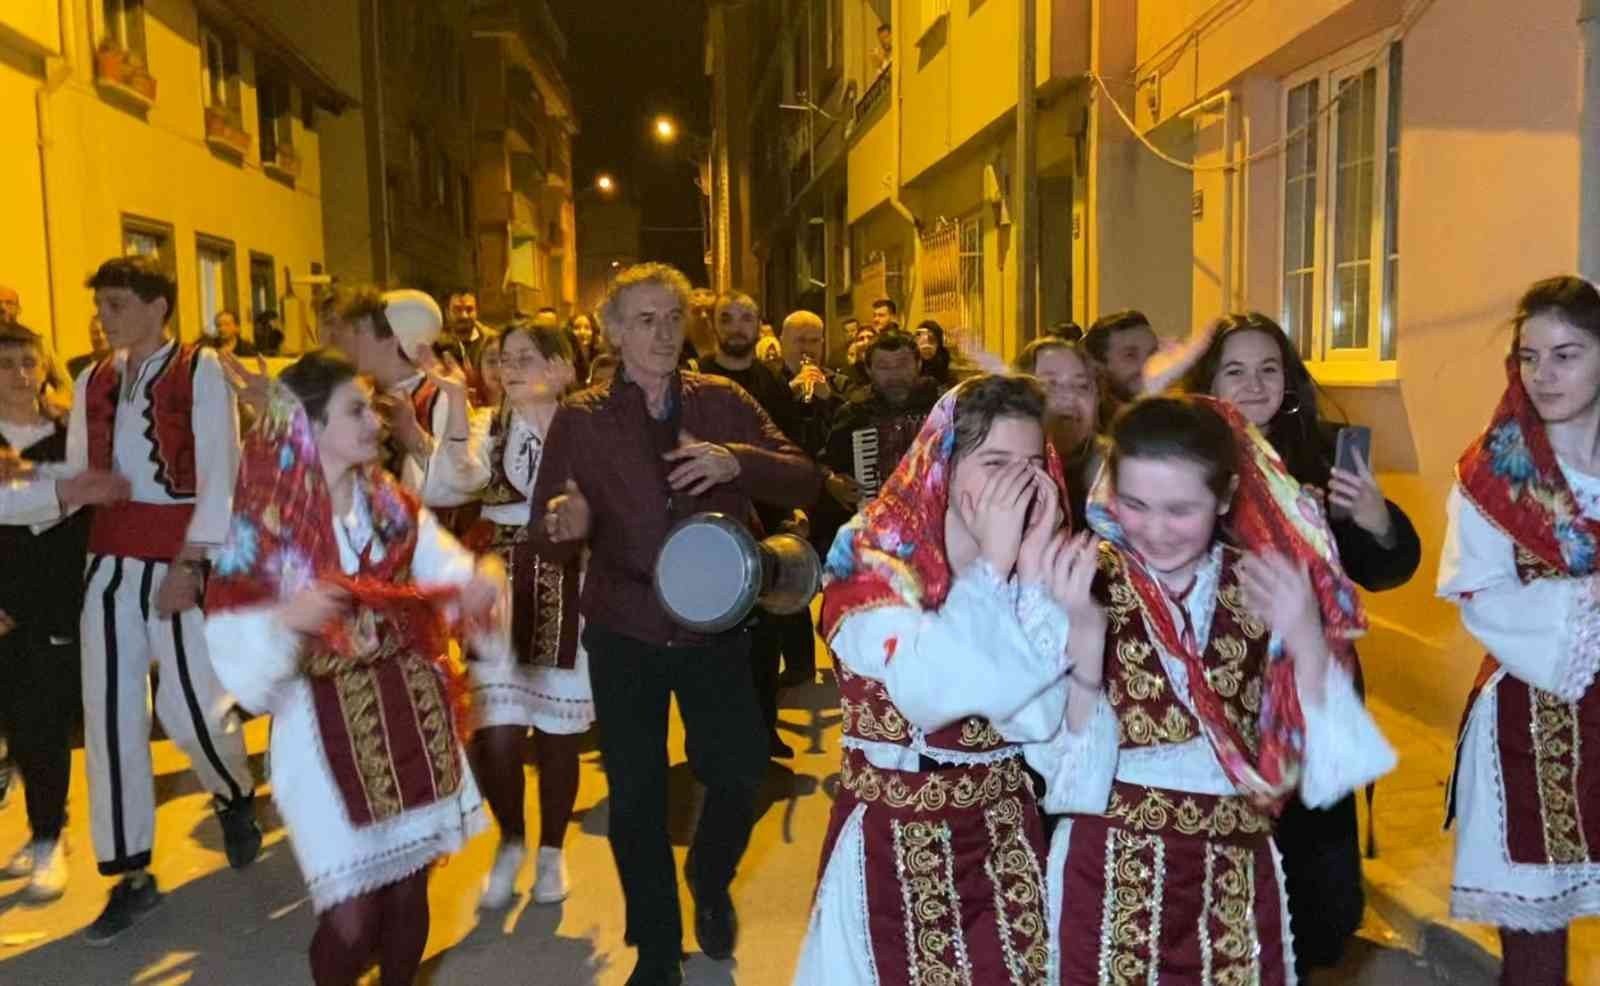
{"x": 187, "y": 130}
{"x": 1369, "y": 172}
{"x": 402, "y": 165}
{"x": 521, "y": 205}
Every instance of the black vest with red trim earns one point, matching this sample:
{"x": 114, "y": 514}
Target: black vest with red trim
{"x": 423, "y": 401}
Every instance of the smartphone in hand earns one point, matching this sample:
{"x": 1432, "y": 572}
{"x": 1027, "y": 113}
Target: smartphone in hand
{"x": 1354, "y": 441}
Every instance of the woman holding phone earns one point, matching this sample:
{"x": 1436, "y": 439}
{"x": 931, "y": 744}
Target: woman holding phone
{"x": 1251, "y": 364}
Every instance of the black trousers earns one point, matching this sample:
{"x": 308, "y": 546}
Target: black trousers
{"x": 1321, "y": 851}
{"x": 633, "y": 684}
{"x": 38, "y": 705}
{"x": 799, "y": 641}
{"x": 766, "y": 646}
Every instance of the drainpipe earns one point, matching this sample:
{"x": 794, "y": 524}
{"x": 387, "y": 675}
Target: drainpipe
{"x": 1024, "y": 222}
{"x": 1230, "y": 174}
{"x": 896, "y": 20}
{"x": 56, "y": 73}
{"x": 1589, "y": 143}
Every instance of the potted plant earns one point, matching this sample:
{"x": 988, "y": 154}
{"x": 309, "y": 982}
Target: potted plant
{"x": 110, "y": 60}
{"x": 139, "y": 78}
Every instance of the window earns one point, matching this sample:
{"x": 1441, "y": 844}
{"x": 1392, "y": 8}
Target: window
{"x": 122, "y": 25}
{"x": 274, "y": 114}
{"x": 219, "y": 281}
{"x": 263, "y": 286}
{"x": 219, "y": 69}
{"x": 969, "y": 256}
{"x": 150, "y": 238}
{"x": 1341, "y": 259}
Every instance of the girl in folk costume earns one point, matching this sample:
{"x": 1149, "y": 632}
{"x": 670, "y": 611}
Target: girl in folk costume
{"x": 949, "y": 645}
{"x": 1520, "y": 559}
{"x": 1251, "y": 364}
{"x": 542, "y": 680}
{"x": 326, "y": 611}
{"x": 1210, "y": 685}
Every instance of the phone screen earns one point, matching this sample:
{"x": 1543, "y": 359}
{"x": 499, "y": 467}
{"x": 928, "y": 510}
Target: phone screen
{"x": 1353, "y": 439}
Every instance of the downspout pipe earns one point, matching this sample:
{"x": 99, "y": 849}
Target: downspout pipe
{"x": 1589, "y": 143}
{"x": 1222, "y": 102}
{"x": 895, "y": 76}
{"x": 57, "y": 72}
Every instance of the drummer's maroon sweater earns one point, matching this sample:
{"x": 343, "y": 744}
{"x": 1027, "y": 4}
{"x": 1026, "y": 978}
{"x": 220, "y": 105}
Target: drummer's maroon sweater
{"x": 606, "y": 441}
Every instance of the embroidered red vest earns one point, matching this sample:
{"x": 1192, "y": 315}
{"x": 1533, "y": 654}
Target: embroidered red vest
{"x": 868, "y": 714}
{"x": 168, "y": 418}
{"x": 1148, "y": 713}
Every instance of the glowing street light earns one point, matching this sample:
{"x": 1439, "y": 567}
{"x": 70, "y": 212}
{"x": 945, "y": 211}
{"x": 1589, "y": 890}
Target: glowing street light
{"x": 666, "y": 129}
{"x": 605, "y": 184}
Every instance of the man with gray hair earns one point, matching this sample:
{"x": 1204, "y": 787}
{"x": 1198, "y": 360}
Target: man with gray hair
{"x": 676, "y": 444}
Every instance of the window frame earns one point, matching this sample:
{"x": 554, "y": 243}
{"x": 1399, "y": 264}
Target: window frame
{"x": 227, "y": 51}
{"x": 257, "y": 262}
{"x": 275, "y": 111}
{"x": 164, "y": 234}
{"x": 971, "y": 329}
{"x": 1374, "y": 362}
{"x": 216, "y": 246}
{"x": 125, "y": 27}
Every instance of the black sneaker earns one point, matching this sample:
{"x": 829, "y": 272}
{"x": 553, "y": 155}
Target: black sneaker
{"x": 131, "y": 899}
{"x": 657, "y": 970}
{"x": 241, "y": 836}
{"x": 716, "y": 924}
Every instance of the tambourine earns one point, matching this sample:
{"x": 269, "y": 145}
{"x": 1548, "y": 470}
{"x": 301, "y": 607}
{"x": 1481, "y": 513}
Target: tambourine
{"x": 711, "y": 572}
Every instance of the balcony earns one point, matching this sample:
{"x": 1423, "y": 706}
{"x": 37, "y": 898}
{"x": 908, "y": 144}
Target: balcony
{"x": 871, "y": 103}
{"x": 225, "y": 132}
{"x": 121, "y": 75}
{"x": 284, "y": 164}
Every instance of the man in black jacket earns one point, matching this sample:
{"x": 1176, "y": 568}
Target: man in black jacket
{"x": 888, "y": 412}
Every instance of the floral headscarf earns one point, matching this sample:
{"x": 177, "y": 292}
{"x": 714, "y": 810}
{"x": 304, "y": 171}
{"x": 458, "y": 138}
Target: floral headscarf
{"x": 1512, "y": 476}
{"x": 892, "y": 552}
{"x": 389, "y": 698}
{"x": 1270, "y": 512}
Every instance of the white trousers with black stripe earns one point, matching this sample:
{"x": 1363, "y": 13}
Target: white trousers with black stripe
{"x": 123, "y": 636}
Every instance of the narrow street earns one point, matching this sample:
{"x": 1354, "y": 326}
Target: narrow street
{"x": 251, "y": 928}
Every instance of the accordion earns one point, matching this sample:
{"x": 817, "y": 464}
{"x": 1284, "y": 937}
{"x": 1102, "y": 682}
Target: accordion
{"x": 878, "y": 448}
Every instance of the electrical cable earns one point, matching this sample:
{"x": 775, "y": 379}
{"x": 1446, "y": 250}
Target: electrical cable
{"x": 1407, "y": 21}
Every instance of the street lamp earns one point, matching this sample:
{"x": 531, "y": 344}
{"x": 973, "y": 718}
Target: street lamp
{"x": 666, "y": 129}
{"x": 605, "y": 184}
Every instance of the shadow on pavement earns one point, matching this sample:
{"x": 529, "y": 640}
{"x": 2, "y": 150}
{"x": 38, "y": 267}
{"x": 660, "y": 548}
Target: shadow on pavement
{"x": 497, "y": 950}
{"x": 226, "y": 927}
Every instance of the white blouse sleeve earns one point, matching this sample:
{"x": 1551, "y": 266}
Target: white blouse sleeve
{"x": 453, "y": 474}
{"x": 254, "y": 655}
{"x": 971, "y": 657}
{"x": 440, "y": 560}
{"x": 1546, "y": 632}
{"x": 1078, "y": 768}
{"x": 459, "y": 471}
{"x": 1345, "y": 750}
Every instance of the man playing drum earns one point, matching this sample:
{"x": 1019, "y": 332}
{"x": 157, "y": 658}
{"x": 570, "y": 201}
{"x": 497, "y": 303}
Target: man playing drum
{"x": 676, "y": 444}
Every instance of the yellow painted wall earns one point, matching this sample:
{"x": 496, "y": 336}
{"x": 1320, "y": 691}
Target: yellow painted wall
{"x": 105, "y": 161}
{"x": 31, "y": 25}
{"x": 1488, "y": 204}
{"x": 23, "y": 263}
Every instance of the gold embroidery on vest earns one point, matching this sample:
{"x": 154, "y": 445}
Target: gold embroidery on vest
{"x": 937, "y": 791}
{"x": 860, "y": 721}
{"x": 1158, "y": 811}
{"x": 358, "y": 698}
{"x": 976, "y": 732}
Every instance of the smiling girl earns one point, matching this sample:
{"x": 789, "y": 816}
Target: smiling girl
{"x": 1210, "y": 686}
{"x": 1520, "y": 559}
{"x": 1252, "y": 365}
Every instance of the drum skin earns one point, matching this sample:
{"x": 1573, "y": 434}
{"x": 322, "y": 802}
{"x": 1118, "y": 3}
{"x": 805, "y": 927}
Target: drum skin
{"x": 708, "y": 574}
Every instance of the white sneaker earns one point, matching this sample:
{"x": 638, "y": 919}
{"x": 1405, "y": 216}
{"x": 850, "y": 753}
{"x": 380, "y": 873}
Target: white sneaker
{"x": 49, "y": 880}
{"x": 501, "y": 885}
{"x": 20, "y": 864}
{"x": 550, "y": 879}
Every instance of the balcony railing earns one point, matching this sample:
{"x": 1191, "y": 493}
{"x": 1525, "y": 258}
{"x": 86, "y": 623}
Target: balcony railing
{"x": 877, "y": 95}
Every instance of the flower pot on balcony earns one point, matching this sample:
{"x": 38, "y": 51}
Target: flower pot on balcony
{"x": 110, "y": 64}
{"x": 285, "y": 166}
{"x": 143, "y": 83}
{"x": 224, "y": 133}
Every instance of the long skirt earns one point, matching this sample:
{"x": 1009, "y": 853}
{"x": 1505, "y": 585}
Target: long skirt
{"x": 930, "y": 877}
{"x": 1169, "y": 888}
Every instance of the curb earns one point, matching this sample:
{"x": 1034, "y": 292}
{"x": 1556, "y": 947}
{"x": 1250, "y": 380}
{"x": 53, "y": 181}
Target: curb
{"x": 1460, "y": 955}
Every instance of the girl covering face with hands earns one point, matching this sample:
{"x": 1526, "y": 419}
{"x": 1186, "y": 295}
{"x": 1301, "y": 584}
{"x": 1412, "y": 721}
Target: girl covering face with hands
{"x": 1210, "y": 685}
{"x": 942, "y": 604}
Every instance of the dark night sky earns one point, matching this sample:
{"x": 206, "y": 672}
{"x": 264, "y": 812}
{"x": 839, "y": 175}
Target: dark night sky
{"x": 627, "y": 61}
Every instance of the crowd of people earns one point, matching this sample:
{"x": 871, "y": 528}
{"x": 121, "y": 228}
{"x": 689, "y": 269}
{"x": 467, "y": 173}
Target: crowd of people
{"x": 1091, "y": 618}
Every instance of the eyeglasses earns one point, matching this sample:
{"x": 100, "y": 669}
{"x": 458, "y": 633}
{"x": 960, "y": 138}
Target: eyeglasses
{"x": 528, "y": 362}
